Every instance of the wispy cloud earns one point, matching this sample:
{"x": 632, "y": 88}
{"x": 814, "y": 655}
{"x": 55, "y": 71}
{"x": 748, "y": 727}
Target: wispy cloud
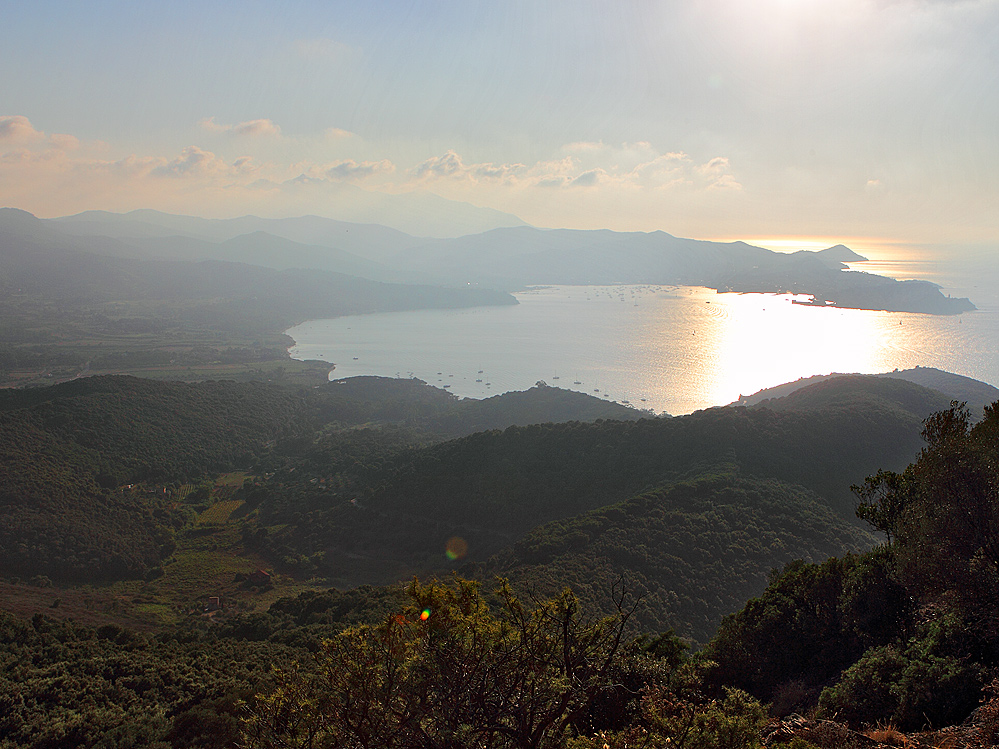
{"x": 350, "y": 170}
{"x": 589, "y": 165}
{"x": 336, "y": 133}
{"x": 17, "y": 130}
{"x": 588, "y": 178}
{"x": 451, "y": 166}
{"x": 63, "y": 142}
{"x": 196, "y": 162}
{"x": 40, "y": 169}
{"x": 717, "y": 173}
{"x": 259, "y": 127}
{"x": 585, "y": 147}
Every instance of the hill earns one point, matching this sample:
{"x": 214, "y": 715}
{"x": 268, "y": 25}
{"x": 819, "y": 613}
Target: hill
{"x": 378, "y": 518}
{"x": 68, "y": 452}
{"x": 693, "y": 551}
{"x": 953, "y": 386}
{"x": 42, "y": 264}
{"x": 904, "y": 633}
{"x": 520, "y": 256}
{"x": 351, "y": 480}
{"x": 846, "y": 392}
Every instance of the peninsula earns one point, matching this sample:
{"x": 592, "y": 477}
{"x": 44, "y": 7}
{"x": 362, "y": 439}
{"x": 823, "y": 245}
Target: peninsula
{"x": 506, "y": 259}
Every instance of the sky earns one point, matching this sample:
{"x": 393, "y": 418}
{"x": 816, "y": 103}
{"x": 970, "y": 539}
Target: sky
{"x": 717, "y": 119}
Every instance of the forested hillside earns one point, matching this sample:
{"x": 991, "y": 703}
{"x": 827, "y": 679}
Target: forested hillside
{"x": 905, "y": 633}
{"x": 112, "y": 509}
{"x": 71, "y": 453}
{"x": 955, "y": 387}
{"x": 694, "y": 551}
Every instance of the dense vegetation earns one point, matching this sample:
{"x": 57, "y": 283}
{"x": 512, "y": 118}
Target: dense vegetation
{"x": 377, "y": 503}
{"x": 354, "y": 481}
{"x": 91, "y": 468}
{"x": 66, "y": 685}
{"x": 903, "y": 635}
{"x": 693, "y": 551}
{"x": 906, "y": 632}
{"x": 359, "y": 512}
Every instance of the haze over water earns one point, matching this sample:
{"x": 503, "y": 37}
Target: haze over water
{"x": 678, "y": 348}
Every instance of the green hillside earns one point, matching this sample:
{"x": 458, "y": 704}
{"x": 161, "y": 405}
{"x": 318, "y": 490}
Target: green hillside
{"x": 71, "y": 453}
{"x": 660, "y": 524}
{"x": 369, "y": 514}
{"x": 694, "y": 551}
{"x": 905, "y": 633}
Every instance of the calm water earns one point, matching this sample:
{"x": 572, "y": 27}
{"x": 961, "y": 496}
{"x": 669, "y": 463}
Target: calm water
{"x": 673, "y": 349}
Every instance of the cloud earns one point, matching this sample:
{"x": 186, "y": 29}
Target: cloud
{"x": 250, "y": 127}
{"x": 588, "y": 179}
{"x": 717, "y": 165}
{"x": 131, "y": 165}
{"x": 196, "y": 162}
{"x": 451, "y": 166}
{"x": 18, "y": 129}
{"x": 20, "y": 156}
{"x": 63, "y": 142}
{"x": 448, "y": 165}
{"x": 585, "y": 146}
{"x": 38, "y": 170}
{"x": 553, "y": 174}
{"x": 497, "y": 171}
{"x": 264, "y": 184}
{"x": 350, "y": 170}
{"x": 663, "y": 169}
{"x": 620, "y": 158}
{"x": 631, "y": 166}
{"x": 335, "y": 133}
{"x": 725, "y": 182}
{"x": 717, "y": 175}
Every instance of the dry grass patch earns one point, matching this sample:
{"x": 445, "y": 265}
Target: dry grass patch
{"x": 888, "y": 735}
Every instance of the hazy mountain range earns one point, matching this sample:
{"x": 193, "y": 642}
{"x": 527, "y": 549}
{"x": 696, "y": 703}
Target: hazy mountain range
{"x": 504, "y": 258}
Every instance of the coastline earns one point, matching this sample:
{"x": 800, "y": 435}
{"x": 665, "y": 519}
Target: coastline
{"x": 679, "y": 349}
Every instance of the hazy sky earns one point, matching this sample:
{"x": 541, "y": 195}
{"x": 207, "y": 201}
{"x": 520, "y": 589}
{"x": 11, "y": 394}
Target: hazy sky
{"x": 704, "y": 118}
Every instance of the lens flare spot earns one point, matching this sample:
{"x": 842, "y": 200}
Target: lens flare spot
{"x": 424, "y": 615}
{"x": 456, "y": 548}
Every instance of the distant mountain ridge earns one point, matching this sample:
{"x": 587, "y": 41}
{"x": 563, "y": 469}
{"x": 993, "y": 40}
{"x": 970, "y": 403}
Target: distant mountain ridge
{"x": 37, "y": 259}
{"x": 510, "y": 258}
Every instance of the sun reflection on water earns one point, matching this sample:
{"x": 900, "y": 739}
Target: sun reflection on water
{"x": 674, "y": 349}
{"x": 766, "y": 340}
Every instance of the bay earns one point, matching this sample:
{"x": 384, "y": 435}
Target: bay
{"x": 666, "y": 349}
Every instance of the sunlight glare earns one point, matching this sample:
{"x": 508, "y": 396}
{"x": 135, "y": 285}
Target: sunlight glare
{"x": 767, "y": 340}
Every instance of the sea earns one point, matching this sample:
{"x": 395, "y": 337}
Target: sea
{"x": 669, "y": 349}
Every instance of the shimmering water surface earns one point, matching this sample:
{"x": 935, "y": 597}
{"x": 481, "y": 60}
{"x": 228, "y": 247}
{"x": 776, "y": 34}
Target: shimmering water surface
{"x": 673, "y": 349}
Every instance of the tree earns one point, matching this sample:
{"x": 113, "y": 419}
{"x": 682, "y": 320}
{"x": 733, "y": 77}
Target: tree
{"x": 883, "y": 498}
{"x": 448, "y": 672}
